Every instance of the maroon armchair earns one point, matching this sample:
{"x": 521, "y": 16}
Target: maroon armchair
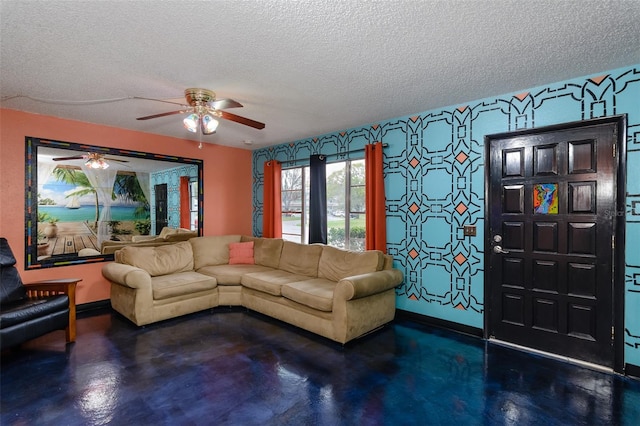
{"x": 31, "y": 310}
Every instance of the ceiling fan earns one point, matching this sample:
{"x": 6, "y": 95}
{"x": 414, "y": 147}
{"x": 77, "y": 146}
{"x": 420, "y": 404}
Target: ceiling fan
{"x": 203, "y": 109}
{"x": 94, "y": 160}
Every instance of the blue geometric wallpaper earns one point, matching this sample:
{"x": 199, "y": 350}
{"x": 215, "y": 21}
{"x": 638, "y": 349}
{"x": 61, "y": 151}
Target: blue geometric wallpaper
{"x": 172, "y": 178}
{"x": 434, "y": 178}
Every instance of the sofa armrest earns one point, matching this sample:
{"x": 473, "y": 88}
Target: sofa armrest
{"x": 127, "y": 275}
{"x": 363, "y": 285}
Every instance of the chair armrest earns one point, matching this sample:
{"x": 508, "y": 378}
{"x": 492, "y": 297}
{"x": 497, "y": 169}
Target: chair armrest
{"x": 126, "y": 275}
{"x": 363, "y": 285}
{"x": 46, "y": 288}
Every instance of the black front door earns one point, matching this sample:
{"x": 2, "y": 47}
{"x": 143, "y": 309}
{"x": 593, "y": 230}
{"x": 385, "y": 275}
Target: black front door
{"x": 162, "y": 219}
{"x": 551, "y": 213}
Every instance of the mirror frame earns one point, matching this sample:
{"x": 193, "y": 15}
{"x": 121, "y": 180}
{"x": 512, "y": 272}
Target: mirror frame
{"x": 31, "y": 196}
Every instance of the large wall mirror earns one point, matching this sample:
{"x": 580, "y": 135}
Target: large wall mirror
{"x": 84, "y": 201}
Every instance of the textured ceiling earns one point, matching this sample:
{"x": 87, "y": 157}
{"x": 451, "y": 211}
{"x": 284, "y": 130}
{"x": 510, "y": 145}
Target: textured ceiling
{"x": 304, "y": 68}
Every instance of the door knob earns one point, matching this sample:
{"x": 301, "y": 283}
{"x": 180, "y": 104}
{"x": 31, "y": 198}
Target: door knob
{"x": 499, "y": 250}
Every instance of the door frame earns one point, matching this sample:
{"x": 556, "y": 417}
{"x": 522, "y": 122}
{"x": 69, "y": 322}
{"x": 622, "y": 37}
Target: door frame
{"x": 619, "y": 222}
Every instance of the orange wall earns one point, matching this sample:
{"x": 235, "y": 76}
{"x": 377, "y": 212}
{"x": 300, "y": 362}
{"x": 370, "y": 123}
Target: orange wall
{"x": 227, "y": 184}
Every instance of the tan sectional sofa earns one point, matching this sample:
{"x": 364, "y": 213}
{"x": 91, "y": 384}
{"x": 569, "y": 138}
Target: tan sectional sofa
{"x": 167, "y": 236}
{"x": 335, "y": 293}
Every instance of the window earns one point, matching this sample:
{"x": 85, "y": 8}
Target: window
{"x": 345, "y": 204}
{"x": 295, "y": 202}
{"x": 193, "y": 209}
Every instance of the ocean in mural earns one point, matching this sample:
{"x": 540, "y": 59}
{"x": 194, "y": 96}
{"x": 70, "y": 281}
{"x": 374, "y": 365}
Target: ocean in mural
{"x": 88, "y": 213}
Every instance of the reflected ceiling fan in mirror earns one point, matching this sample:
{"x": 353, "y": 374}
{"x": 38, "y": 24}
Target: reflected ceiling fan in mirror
{"x": 203, "y": 109}
{"x": 93, "y": 160}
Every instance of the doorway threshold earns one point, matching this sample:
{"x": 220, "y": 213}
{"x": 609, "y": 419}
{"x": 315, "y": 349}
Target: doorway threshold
{"x": 567, "y": 359}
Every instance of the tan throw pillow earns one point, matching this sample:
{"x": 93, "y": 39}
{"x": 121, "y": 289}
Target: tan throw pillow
{"x": 213, "y": 250}
{"x": 160, "y": 260}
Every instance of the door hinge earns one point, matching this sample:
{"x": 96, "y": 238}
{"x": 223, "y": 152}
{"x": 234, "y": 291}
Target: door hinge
{"x": 613, "y": 332}
{"x": 614, "y": 150}
{"x": 613, "y": 242}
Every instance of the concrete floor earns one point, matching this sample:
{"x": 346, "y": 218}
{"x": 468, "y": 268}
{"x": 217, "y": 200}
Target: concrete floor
{"x": 234, "y": 367}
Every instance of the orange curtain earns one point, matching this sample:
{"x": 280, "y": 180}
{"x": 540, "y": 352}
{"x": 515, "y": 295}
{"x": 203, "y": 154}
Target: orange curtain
{"x": 272, "y": 200}
{"x": 185, "y": 205}
{"x": 376, "y": 218}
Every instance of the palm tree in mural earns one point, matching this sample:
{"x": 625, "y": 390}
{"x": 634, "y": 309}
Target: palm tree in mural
{"x": 83, "y": 186}
{"x": 126, "y": 186}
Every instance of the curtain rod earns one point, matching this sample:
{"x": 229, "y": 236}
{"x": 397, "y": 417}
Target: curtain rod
{"x": 299, "y": 160}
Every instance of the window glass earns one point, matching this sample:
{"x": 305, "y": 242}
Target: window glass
{"x": 295, "y": 196}
{"x": 193, "y": 192}
{"x": 336, "y": 206}
{"x": 345, "y": 204}
{"x": 357, "y": 206}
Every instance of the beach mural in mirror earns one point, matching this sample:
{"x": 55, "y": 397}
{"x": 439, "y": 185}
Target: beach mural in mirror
{"x": 81, "y": 197}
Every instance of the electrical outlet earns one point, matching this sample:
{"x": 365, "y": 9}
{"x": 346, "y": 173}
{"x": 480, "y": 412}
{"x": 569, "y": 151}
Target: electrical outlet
{"x": 469, "y": 230}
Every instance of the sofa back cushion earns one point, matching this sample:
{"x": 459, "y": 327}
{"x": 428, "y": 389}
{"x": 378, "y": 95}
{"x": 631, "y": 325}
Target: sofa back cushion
{"x": 212, "y": 250}
{"x": 166, "y": 231}
{"x": 159, "y": 260}
{"x": 388, "y": 262}
{"x": 176, "y": 234}
{"x": 301, "y": 259}
{"x": 181, "y": 234}
{"x": 336, "y": 264}
{"x": 11, "y": 288}
{"x": 266, "y": 251}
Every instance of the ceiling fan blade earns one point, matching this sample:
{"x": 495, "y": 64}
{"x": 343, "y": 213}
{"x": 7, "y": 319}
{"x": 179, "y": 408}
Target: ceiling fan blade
{"x": 225, "y": 103}
{"x": 242, "y": 120}
{"x": 75, "y": 157}
{"x": 164, "y": 114}
{"x": 115, "y": 159}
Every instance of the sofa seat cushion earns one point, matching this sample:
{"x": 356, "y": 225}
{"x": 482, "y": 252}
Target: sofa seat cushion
{"x": 231, "y": 274}
{"x": 181, "y": 283}
{"x": 316, "y": 293}
{"x": 271, "y": 281}
{"x": 28, "y": 309}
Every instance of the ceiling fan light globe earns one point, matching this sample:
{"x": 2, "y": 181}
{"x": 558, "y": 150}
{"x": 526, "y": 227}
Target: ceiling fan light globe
{"x": 97, "y": 164}
{"x": 209, "y": 124}
{"x": 191, "y": 123}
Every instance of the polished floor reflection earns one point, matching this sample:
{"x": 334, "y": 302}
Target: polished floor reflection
{"x": 235, "y": 367}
